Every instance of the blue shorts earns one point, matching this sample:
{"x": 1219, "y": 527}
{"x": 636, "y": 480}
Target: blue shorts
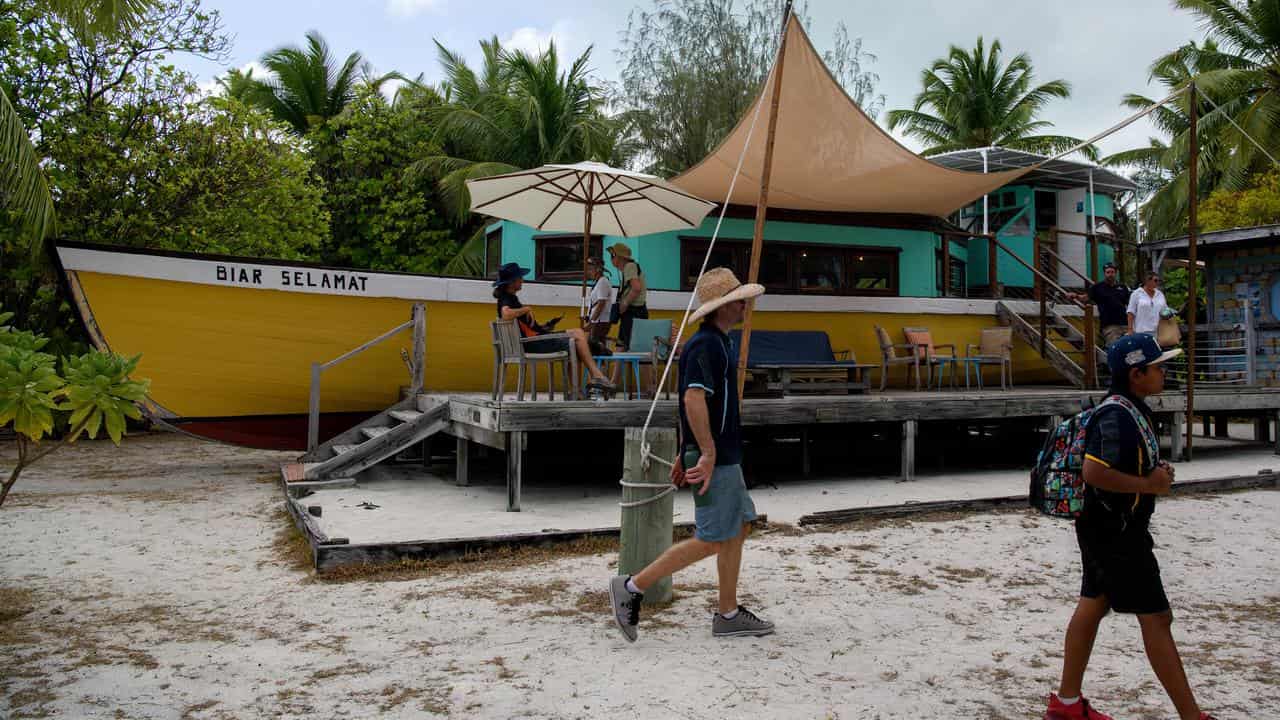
{"x": 730, "y": 508}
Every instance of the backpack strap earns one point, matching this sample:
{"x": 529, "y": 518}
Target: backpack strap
{"x": 1150, "y": 442}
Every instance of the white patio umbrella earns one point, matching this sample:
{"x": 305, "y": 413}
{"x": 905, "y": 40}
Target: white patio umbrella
{"x": 587, "y": 197}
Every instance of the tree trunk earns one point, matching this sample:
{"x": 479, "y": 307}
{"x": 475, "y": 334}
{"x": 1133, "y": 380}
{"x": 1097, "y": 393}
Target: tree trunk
{"x": 17, "y": 470}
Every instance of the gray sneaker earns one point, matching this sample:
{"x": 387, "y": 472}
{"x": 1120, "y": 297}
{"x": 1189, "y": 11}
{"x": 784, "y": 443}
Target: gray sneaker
{"x": 744, "y": 624}
{"x": 626, "y": 606}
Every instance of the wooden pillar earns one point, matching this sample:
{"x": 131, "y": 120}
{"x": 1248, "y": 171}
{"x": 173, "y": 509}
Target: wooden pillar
{"x": 419, "y": 348}
{"x": 1090, "y": 355}
{"x": 1262, "y": 428}
{"x": 946, "y": 265}
{"x": 909, "y": 430}
{"x": 646, "y": 529}
{"x": 762, "y": 203}
{"x": 1093, "y": 258}
{"x": 462, "y": 473}
{"x": 1176, "y": 448}
{"x": 1222, "y": 426}
{"x": 1193, "y": 202}
{"x": 1207, "y": 422}
{"x": 515, "y": 468}
{"x": 1277, "y": 435}
{"x": 992, "y": 281}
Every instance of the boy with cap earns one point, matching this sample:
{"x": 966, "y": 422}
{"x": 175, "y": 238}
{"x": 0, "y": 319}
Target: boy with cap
{"x": 710, "y": 430}
{"x": 1123, "y": 474}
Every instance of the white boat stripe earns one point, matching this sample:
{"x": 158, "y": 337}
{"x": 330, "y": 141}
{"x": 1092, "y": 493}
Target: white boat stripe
{"x": 365, "y": 283}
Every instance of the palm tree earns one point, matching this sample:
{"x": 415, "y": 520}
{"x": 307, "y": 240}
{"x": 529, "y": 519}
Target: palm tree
{"x": 23, "y": 188}
{"x": 240, "y": 85}
{"x": 308, "y": 87}
{"x": 1162, "y": 162}
{"x": 974, "y": 99}
{"x": 519, "y": 111}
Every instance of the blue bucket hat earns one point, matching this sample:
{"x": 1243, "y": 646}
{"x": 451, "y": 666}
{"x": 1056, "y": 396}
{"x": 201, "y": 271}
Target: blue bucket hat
{"x": 1135, "y": 351}
{"x": 509, "y": 273}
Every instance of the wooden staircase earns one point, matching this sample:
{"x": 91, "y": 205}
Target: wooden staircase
{"x": 336, "y": 463}
{"x": 1064, "y": 344}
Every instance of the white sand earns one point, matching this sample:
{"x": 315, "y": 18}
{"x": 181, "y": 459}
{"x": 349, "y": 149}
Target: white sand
{"x": 156, "y": 594}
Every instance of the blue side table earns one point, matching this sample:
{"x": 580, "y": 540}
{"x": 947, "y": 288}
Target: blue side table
{"x": 631, "y": 363}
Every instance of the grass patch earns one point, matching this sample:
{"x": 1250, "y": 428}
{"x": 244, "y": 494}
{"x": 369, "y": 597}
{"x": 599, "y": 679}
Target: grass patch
{"x": 289, "y": 546}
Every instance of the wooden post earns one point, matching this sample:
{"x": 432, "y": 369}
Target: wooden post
{"x": 1262, "y": 428}
{"x": 515, "y": 468}
{"x": 946, "y": 265}
{"x": 992, "y": 283}
{"x": 762, "y": 204}
{"x": 646, "y": 529}
{"x": 419, "y": 348}
{"x": 1093, "y": 258}
{"x": 462, "y": 474}
{"x": 313, "y": 410}
{"x": 1042, "y": 293}
{"x": 1222, "y": 426}
{"x": 805, "y": 463}
{"x": 1193, "y": 204}
{"x": 1277, "y": 437}
{"x": 1038, "y": 264}
{"x": 1176, "y": 447}
{"x": 1090, "y": 356}
{"x": 909, "y": 430}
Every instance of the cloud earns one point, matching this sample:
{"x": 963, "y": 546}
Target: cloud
{"x": 410, "y": 8}
{"x": 533, "y": 40}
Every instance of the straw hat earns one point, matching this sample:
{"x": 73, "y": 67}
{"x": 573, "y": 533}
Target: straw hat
{"x": 721, "y": 287}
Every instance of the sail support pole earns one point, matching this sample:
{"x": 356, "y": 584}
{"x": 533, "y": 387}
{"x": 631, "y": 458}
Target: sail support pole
{"x": 1193, "y": 206}
{"x": 762, "y": 204}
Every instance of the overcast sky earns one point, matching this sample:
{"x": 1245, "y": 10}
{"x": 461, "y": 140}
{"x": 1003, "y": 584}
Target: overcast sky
{"x": 1102, "y": 47}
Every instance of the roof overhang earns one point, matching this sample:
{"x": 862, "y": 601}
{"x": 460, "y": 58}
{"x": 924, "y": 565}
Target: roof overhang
{"x": 1234, "y": 236}
{"x": 1058, "y": 174}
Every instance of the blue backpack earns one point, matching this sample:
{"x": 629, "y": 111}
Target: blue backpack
{"x": 1057, "y": 480}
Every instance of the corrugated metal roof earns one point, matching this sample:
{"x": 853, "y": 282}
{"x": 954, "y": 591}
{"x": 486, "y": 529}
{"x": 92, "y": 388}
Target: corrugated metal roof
{"x": 1060, "y": 174}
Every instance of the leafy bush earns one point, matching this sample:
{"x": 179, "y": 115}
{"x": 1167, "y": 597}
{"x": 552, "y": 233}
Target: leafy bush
{"x": 94, "y": 391}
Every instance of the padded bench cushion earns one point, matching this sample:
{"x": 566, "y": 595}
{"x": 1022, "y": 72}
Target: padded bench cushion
{"x": 786, "y": 347}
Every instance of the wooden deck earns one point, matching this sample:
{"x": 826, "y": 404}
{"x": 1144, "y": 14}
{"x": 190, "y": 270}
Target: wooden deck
{"x": 508, "y": 423}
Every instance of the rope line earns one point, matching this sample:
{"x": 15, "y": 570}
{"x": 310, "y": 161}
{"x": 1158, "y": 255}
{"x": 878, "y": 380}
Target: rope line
{"x": 1237, "y": 126}
{"x": 646, "y": 451}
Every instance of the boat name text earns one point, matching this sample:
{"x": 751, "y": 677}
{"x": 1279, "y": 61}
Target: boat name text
{"x": 324, "y": 279}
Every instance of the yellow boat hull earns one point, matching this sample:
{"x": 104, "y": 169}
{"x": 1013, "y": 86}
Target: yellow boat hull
{"x": 228, "y": 343}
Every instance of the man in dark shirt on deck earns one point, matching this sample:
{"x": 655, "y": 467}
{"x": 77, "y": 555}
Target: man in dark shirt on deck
{"x": 711, "y": 439}
{"x": 1112, "y": 299}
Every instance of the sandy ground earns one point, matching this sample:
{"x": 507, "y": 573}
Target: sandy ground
{"x": 154, "y": 582}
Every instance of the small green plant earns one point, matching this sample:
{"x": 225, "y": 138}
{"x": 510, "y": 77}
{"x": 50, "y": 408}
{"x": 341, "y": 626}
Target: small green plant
{"x": 93, "y": 392}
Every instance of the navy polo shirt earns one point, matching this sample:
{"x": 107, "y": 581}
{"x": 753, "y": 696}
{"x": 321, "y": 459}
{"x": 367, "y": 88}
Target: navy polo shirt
{"x": 706, "y": 362}
{"x": 1112, "y": 438}
{"x": 1112, "y": 302}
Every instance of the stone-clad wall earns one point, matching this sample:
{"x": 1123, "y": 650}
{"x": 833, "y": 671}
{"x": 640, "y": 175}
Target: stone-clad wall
{"x": 1240, "y": 273}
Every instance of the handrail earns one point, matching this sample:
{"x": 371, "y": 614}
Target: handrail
{"x": 1067, "y": 265}
{"x": 1043, "y": 278}
{"x": 416, "y": 321}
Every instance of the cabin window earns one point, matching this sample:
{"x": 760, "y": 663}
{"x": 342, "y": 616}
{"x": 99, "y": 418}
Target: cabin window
{"x": 559, "y": 257}
{"x": 793, "y": 268}
{"x": 1046, "y": 210}
{"x": 493, "y": 252}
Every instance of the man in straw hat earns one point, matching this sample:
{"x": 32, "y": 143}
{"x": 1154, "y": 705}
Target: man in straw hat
{"x": 710, "y": 462}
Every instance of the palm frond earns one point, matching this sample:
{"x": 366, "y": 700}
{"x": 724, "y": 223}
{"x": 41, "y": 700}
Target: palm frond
{"x": 23, "y": 188}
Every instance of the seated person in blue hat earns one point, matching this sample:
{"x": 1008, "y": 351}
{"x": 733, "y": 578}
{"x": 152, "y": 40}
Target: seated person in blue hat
{"x": 510, "y": 280}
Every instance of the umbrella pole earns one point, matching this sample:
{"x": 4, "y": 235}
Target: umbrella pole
{"x": 762, "y": 205}
{"x": 586, "y": 246}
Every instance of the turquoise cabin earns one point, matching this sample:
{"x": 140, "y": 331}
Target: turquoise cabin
{"x": 866, "y": 254}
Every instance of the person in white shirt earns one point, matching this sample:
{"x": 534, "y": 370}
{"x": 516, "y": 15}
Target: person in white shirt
{"x": 1145, "y": 306}
{"x": 597, "y": 320}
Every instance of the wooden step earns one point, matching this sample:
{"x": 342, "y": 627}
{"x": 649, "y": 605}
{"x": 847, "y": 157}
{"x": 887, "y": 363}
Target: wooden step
{"x": 343, "y": 449}
{"x": 405, "y": 415}
{"x": 373, "y": 432}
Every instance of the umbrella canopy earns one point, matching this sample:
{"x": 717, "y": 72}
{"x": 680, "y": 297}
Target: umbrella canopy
{"x": 588, "y": 197}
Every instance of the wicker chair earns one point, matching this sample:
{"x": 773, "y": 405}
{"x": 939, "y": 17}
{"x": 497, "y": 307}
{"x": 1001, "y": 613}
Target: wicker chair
{"x": 889, "y": 357}
{"x": 508, "y": 349}
{"x": 995, "y": 348}
{"x": 930, "y": 354}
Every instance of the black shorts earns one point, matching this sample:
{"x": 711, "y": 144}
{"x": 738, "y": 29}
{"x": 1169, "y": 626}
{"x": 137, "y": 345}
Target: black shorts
{"x": 547, "y": 345}
{"x": 624, "y": 324}
{"x": 1125, "y": 571}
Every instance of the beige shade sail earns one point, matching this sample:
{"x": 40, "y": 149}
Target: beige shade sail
{"x": 828, "y": 155}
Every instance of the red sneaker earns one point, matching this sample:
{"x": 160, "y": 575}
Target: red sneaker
{"x": 1075, "y": 711}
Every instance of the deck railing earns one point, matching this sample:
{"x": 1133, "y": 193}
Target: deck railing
{"x": 1225, "y": 354}
{"x": 418, "y": 321}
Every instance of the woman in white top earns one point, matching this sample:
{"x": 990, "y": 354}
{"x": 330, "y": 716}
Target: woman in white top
{"x": 1145, "y": 306}
{"x": 599, "y": 300}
